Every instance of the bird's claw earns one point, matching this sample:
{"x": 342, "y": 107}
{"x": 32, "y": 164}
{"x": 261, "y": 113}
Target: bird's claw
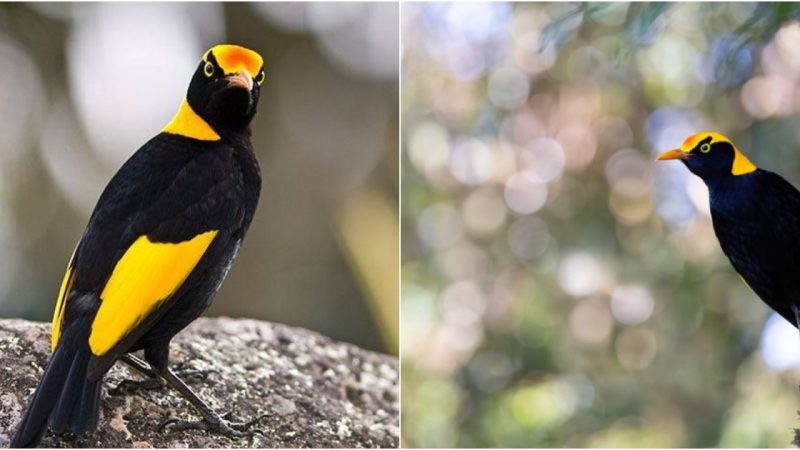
{"x": 219, "y": 425}
{"x": 189, "y": 375}
{"x": 126, "y": 387}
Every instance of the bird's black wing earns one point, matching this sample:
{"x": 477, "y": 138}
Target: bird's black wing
{"x": 156, "y": 221}
{"x": 757, "y": 222}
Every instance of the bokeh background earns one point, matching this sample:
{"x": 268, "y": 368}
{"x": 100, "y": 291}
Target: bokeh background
{"x": 560, "y": 288}
{"x": 82, "y": 86}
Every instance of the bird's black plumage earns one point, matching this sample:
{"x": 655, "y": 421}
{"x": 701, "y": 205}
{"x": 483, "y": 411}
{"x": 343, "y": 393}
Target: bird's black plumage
{"x": 198, "y": 176}
{"x": 756, "y": 218}
{"x": 181, "y": 188}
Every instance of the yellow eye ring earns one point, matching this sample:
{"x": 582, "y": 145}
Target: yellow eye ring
{"x": 705, "y": 148}
{"x": 208, "y": 69}
{"x": 260, "y": 77}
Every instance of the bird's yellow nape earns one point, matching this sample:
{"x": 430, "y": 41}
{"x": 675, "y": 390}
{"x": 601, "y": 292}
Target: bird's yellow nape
{"x": 187, "y": 123}
{"x": 234, "y": 58}
{"x": 741, "y": 165}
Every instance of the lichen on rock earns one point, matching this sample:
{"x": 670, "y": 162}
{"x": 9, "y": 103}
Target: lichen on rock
{"x": 310, "y": 390}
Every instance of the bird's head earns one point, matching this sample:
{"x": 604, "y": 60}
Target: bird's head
{"x": 226, "y": 86}
{"x": 710, "y": 155}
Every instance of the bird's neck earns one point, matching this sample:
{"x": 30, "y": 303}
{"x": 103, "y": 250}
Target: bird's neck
{"x": 722, "y": 183}
{"x": 741, "y": 165}
{"x": 188, "y": 123}
{"x": 731, "y": 193}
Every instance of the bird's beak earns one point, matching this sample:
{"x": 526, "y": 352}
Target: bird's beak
{"x": 241, "y": 79}
{"x": 673, "y": 154}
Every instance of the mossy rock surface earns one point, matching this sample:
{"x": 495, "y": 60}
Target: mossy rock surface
{"x": 310, "y": 390}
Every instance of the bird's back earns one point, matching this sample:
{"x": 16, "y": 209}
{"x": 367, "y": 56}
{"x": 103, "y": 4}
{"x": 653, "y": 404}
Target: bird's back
{"x": 756, "y": 218}
{"x": 168, "y": 191}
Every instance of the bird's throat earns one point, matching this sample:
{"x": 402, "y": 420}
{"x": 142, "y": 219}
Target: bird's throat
{"x": 187, "y": 123}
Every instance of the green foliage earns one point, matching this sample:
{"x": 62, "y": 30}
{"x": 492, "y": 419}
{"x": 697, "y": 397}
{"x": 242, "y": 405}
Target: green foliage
{"x": 560, "y": 287}
{"x": 645, "y": 21}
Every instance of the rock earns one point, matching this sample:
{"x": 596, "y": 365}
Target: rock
{"x": 312, "y": 391}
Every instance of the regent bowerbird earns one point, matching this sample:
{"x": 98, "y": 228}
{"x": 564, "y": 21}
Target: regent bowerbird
{"x": 756, "y": 218}
{"x": 157, "y": 247}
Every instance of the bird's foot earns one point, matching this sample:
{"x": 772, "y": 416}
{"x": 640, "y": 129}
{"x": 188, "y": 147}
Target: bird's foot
{"x": 215, "y": 423}
{"x": 126, "y": 387}
{"x": 190, "y": 375}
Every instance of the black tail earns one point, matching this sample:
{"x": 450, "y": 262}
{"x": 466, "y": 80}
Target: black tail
{"x": 65, "y": 398}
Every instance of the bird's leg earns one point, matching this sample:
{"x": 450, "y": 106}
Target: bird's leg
{"x": 129, "y": 386}
{"x": 184, "y": 373}
{"x": 211, "y": 420}
{"x": 137, "y": 364}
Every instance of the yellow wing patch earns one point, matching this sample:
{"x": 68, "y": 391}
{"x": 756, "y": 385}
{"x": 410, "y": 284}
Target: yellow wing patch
{"x": 58, "y": 313}
{"x": 146, "y": 275}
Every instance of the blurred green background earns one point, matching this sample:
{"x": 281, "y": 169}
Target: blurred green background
{"x": 82, "y": 86}
{"x": 559, "y": 287}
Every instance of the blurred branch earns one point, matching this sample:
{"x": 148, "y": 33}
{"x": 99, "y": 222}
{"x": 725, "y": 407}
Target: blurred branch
{"x": 368, "y": 232}
{"x": 562, "y": 28}
{"x": 42, "y": 36}
{"x": 644, "y": 21}
{"x": 766, "y": 20}
{"x": 796, "y": 440}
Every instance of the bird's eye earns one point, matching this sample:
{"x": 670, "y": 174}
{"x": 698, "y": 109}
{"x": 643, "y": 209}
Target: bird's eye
{"x": 208, "y": 70}
{"x": 260, "y": 77}
{"x": 705, "y": 148}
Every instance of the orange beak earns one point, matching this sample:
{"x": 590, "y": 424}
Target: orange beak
{"x": 673, "y": 154}
{"x": 241, "y": 79}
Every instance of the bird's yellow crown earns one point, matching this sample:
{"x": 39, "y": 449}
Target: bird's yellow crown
{"x": 233, "y": 58}
{"x": 691, "y": 142}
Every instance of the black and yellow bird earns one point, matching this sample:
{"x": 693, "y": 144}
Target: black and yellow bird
{"x": 756, "y": 217}
{"x": 158, "y": 245}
